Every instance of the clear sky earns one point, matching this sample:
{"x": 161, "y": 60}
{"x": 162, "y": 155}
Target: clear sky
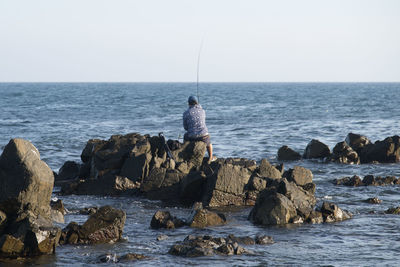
{"x": 159, "y": 40}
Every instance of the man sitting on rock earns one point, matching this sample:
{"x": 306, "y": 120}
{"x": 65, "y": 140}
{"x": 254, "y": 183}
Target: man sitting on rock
{"x": 194, "y": 122}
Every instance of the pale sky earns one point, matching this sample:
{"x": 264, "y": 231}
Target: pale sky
{"x": 159, "y": 40}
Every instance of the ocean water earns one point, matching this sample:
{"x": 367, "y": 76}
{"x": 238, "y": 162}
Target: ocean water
{"x": 249, "y": 120}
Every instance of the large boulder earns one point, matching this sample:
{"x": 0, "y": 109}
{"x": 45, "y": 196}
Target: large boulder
{"x": 226, "y": 185}
{"x": 104, "y": 226}
{"x": 299, "y": 175}
{"x": 267, "y": 170}
{"x": 386, "y": 151}
{"x": 316, "y": 149}
{"x": 286, "y": 153}
{"x": 272, "y": 208}
{"x": 343, "y": 153}
{"x": 69, "y": 171}
{"x": 202, "y": 218}
{"x": 26, "y": 182}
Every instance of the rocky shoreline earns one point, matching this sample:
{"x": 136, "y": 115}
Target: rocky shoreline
{"x": 138, "y": 165}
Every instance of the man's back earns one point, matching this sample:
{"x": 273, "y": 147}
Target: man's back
{"x": 194, "y": 121}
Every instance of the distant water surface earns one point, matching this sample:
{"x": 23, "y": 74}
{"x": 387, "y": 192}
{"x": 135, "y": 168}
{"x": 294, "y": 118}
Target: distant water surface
{"x": 249, "y": 120}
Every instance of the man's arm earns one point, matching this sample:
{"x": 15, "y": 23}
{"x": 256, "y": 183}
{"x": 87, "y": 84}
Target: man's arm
{"x": 185, "y": 126}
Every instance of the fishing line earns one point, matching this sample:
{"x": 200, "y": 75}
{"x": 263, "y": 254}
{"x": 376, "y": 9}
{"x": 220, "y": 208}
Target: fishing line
{"x": 198, "y": 68}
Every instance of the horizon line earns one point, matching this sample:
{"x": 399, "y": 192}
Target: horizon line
{"x": 200, "y": 82}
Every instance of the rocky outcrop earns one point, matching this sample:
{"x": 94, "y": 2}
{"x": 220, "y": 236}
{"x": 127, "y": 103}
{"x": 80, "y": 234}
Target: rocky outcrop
{"x": 26, "y": 184}
{"x": 286, "y": 153}
{"x": 284, "y": 202}
{"x": 202, "y": 218}
{"x": 57, "y": 211}
{"x": 357, "y": 142}
{"x": 316, "y": 150}
{"x": 69, "y": 171}
{"x": 197, "y": 246}
{"x": 104, "y": 226}
{"x": 368, "y": 180}
{"x": 135, "y": 164}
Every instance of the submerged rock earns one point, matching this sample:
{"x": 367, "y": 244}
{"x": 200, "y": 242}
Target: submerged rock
{"x": 163, "y": 219}
{"x": 57, "y": 211}
{"x": 393, "y": 210}
{"x": 357, "y": 142}
{"x": 343, "y": 153}
{"x": 373, "y": 200}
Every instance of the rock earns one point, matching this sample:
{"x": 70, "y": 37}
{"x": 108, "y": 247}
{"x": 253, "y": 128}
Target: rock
{"x": 245, "y": 240}
{"x": 109, "y": 184}
{"x": 108, "y": 258}
{"x": 264, "y": 240}
{"x": 272, "y": 208}
{"x": 392, "y": 210}
{"x": 26, "y": 182}
{"x": 132, "y": 257}
{"x": 3, "y": 221}
{"x": 225, "y": 186}
{"x": 286, "y": 153}
{"x": 357, "y": 142}
{"x": 163, "y": 219}
{"x": 343, "y": 153}
{"x": 137, "y": 167}
{"x": 332, "y": 213}
{"x": 57, "y": 211}
{"x": 299, "y": 175}
{"x": 316, "y": 149}
{"x": 162, "y": 184}
{"x": 191, "y": 187}
{"x": 373, "y": 200}
{"x": 104, "y": 226}
{"x": 267, "y": 170}
{"x": 88, "y": 210}
{"x": 197, "y": 246}
{"x": 69, "y": 171}
{"x": 162, "y": 237}
{"x": 257, "y": 183}
{"x": 349, "y": 181}
{"x": 303, "y": 201}
{"x": 204, "y": 218}
{"x": 315, "y": 217}
{"x": 386, "y": 151}
{"x": 310, "y": 187}
{"x": 10, "y": 247}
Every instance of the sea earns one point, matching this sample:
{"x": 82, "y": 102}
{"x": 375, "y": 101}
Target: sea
{"x": 247, "y": 120}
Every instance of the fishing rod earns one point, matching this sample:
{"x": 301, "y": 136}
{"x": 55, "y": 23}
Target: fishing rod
{"x": 198, "y": 69}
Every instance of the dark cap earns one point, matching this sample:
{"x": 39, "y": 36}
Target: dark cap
{"x": 193, "y": 100}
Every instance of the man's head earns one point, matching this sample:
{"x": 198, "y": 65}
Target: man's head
{"x": 192, "y": 100}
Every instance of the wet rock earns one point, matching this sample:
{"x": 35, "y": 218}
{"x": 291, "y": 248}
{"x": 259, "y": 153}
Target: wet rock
{"x": 357, "y": 142}
{"x": 299, "y": 175}
{"x": 393, "y": 210}
{"x": 245, "y": 240}
{"x": 343, "y": 153}
{"x": 349, "y": 181}
{"x": 315, "y": 217}
{"x": 69, "y": 171}
{"x": 25, "y": 180}
{"x": 316, "y": 149}
{"x": 204, "y": 218}
{"x": 163, "y": 219}
{"x": 57, "y": 211}
{"x": 104, "y": 226}
{"x": 132, "y": 257}
{"x": 286, "y": 153}
{"x": 332, "y": 213}
{"x": 373, "y": 200}
{"x": 264, "y": 240}
{"x": 386, "y": 151}
{"x": 272, "y": 208}
{"x": 267, "y": 170}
